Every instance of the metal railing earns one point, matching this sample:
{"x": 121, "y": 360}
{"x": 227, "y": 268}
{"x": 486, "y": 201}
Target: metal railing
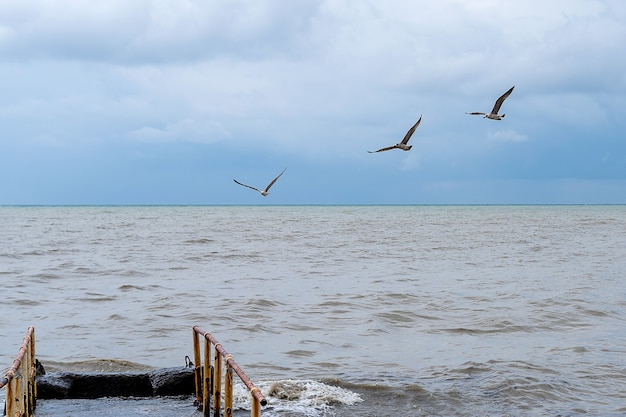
{"x": 208, "y": 377}
{"x": 19, "y": 380}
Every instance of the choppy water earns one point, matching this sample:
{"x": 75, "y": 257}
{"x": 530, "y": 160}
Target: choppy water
{"x": 346, "y": 311}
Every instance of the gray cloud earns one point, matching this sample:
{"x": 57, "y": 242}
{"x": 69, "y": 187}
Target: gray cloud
{"x": 322, "y": 80}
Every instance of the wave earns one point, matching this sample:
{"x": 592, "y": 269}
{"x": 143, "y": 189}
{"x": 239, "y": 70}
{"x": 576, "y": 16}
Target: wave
{"x": 96, "y": 365}
{"x": 198, "y": 241}
{"x": 297, "y": 396}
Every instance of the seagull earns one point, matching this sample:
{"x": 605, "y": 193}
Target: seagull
{"x": 496, "y": 107}
{"x": 267, "y": 189}
{"x": 402, "y": 145}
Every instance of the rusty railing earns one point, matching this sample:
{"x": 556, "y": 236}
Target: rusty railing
{"x": 20, "y": 380}
{"x": 208, "y": 377}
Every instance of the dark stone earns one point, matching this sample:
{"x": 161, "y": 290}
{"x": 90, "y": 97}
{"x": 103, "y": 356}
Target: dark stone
{"x": 69, "y": 385}
{"x": 173, "y": 381}
{"x": 55, "y": 386}
{"x": 39, "y": 369}
{"x": 110, "y": 385}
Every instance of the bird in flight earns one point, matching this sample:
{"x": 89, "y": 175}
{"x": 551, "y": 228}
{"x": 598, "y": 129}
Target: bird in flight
{"x": 496, "y": 107}
{"x": 267, "y": 189}
{"x": 402, "y": 145}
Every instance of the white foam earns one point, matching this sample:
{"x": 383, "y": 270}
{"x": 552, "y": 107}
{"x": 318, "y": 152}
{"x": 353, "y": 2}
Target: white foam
{"x": 306, "y": 397}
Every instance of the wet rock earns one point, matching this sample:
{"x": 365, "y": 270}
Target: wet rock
{"x": 65, "y": 385}
{"x": 173, "y": 381}
{"x": 39, "y": 369}
{"x": 53, "y": 386}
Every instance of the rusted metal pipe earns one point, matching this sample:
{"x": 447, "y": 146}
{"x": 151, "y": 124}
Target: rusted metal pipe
{"x": 228, "y": 391}
{"x": 207, "y": 381}
{"x": 20, "y": 379}
{"x": 196, "y": 368}
{"x": 254, "y": 390}
{"x": 256, "y": 407}
{"x": 217, "y": 383}
{"x": 17, "y": 362}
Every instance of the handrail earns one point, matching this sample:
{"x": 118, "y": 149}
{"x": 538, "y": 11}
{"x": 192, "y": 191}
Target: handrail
{"x": 20, "y": 379}
{"x": 212, "y": 380}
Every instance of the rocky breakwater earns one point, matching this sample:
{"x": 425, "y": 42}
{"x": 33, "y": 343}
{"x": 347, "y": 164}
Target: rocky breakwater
{"x": 89, "y": 385}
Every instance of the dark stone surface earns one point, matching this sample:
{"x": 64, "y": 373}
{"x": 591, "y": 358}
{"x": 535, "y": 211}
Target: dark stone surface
{"x": 109, "y": 385}
{"x": 50, "y": 386}
{"x": 162, "y": 382}
{"x": 173, "y": 381}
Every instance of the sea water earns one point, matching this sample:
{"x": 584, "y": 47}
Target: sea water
{"x": 335, "y": 310}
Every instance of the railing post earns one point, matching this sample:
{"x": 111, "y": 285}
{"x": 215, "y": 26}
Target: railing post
{"x": 197, "y": 370}
{"x": 256, "y": 407}
{"x": 228, "y": 389}
{"x": 20, "y": 380}
{"x": 208, "y": 379}
{"x": 217, "y": 382}
{"x": 32, "y": 374}
{"x": 213, "y": 379}
{"x": 15, "y": 404}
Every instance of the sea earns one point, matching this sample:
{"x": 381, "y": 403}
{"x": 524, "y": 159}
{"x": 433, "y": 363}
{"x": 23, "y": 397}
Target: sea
{"x": 334, "y": 310}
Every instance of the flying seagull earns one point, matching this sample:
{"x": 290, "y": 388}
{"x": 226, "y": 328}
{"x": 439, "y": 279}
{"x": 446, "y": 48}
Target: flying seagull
{"x": 402, "y": 145}
{"x": 496, "y": 107}
{"x": 267, "y": 189}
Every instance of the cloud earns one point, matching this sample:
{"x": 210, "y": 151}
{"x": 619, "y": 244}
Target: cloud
{"x": 183, "y": 130}
{"x": 574, "y": 109}
{"x": 507, "y": 135}
{"x": 150, "y": 31}
{"x": 322, "y": 81}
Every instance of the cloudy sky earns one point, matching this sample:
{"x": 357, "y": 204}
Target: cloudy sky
{"x": 166, "y": 102}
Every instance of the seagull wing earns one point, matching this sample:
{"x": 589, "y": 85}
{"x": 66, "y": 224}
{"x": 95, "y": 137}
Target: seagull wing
{"x": 476, "y": 113}
{"x": 274, "y": 180}
{"x": 405, "y": 140}
{"x": 410, "y": 132}
{"x": 499, "y": 101}
{"x": 384, "y": 149}
{"x": 255, "y": 189}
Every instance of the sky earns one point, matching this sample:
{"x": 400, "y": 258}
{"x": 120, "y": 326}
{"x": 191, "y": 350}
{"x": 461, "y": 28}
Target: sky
{"x": 166, "y": 102}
